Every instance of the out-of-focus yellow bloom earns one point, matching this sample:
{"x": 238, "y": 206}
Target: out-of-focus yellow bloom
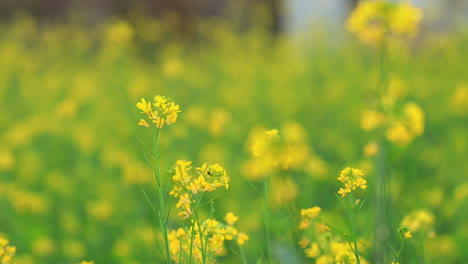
{"x": 272, "y": 152}
{"x": 399, "y": 134}
{"x": 242, "y": 238}
{"x": 460, "y": 99}
{"x": 307, "y": 215}
{"x": 87, "y": 262}
{"x": 282, "y": 191}
{"x": 120, "y": 32}
{"x": 74, "y": 248}
{"x": 100, "y": 210}
{"x": 231, "y": 218}
{"x": 419, "y": 221}
{"x": 304, "y": 242}
{"x": 414, "y": 117}
{"x": 43, "y": 246}
{"x": 374, "y": 22}
{"x": 7, "y": 252}
{"x": 313, "y": 251}
{"x": 7, "y": 161}
{"x": 371, "y": 149}
{"x": 404, "y": 19}
{"x": 165, "y": 112}
{"x": 401, "y": 126}
{"x": 372, "y": 120}
{"x": 352, "y": 180}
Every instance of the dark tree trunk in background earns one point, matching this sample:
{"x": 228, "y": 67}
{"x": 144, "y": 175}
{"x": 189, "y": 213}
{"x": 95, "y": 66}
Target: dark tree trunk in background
{"x": 186, "y": 11}
{"x": 352, "y": 4}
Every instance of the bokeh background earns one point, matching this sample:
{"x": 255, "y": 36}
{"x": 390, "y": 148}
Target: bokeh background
{"x": 71, "y": 166}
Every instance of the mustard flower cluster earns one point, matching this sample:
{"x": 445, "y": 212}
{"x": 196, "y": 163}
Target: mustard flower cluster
{"x": 307, "y": 215}
{"x": 373, "y": 22}
{"x": 322, "y": 245}
{"x": 205, "y": 241}
{"x": 165, "y": 111}
{"x": 187, "y": 186}
{"x": 7, "y": 252}
{"x": 352, "y": 180}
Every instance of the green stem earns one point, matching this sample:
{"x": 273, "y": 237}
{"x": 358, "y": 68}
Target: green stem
{"x": 399, "y": 251}
{"x": 353, "y": 230}
{"x": 196, "y": 220}
{"x": 162, "y": 210}
{"x": 381, "y": 226}
{"x": 266, "y": 192}
{"x": 241, "y": 250}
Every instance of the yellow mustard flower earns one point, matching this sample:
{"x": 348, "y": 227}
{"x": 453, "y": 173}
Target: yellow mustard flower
{"x": 352, "y": 180}
{"x": 307, "y": 215}
{"x": 7, "y": 252}
{"x": 419, "y": 221}
{"x": 165, "y": 112}
{"x": 374, "y": 22}
{"x": 313, "y": 251}
{"x": 186, "y": 186}
{"x": 231, "y": 218}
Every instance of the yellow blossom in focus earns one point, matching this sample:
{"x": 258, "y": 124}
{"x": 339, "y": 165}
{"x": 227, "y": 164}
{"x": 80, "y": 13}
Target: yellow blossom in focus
{"x": 352, "y": 180}
{"x": 208, "y": 238}
{"x": 165, "y": 111}
{"x": 186, "y": 186}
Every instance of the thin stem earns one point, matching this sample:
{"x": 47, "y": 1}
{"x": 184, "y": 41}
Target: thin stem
{"x": 266, "y": 192}
{"x": 381, "y": 227}
{"x": 196, "y": 220}
{"x": 399, "y": 251}
{"x": 241, "y": 250}
{"x": 162, "y": 210}
{"x": 353, "y": 229}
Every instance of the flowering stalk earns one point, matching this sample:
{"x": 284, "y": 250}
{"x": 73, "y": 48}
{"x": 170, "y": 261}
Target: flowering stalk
{"x": 352, "y": 180}
{"x": 162, "y": 211}
{"x": 160, "y": 112}
{"x": 353, "y": 228}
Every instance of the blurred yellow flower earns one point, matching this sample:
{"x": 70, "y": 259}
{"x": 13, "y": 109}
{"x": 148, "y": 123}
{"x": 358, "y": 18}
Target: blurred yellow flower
{"x": 7, "y": 252}
{"x": 231, "y": 218}
{"x": 419, "y": 220}
{"x": 374, "y": 22}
